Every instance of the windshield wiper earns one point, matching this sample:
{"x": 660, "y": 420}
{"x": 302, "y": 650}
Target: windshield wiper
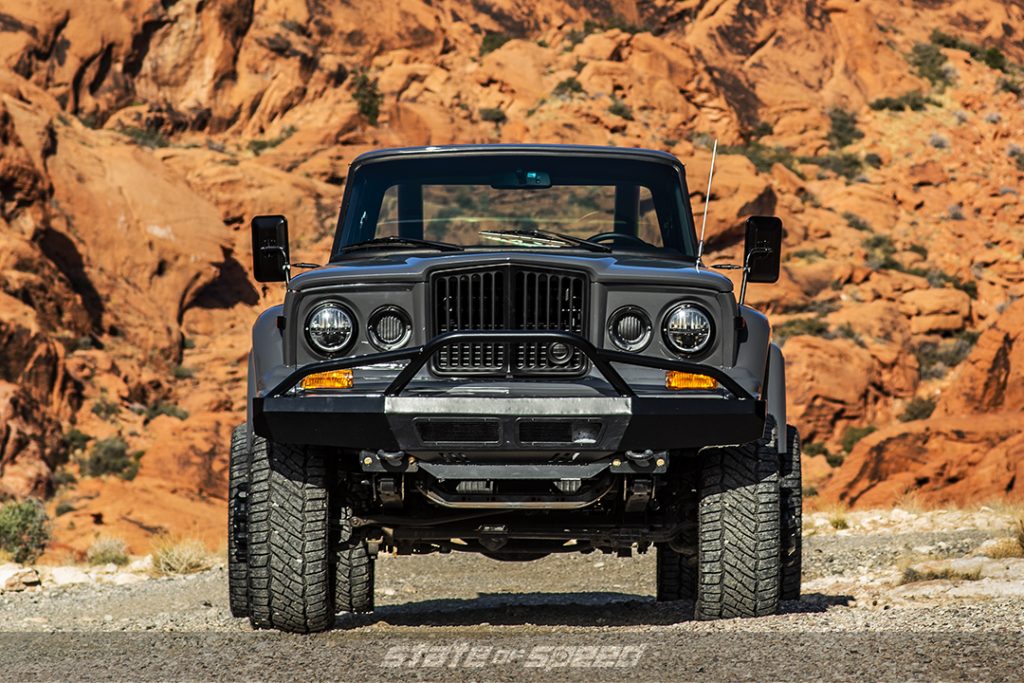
{"x": 545, "y": 235}
{"x": 396, "y": 240}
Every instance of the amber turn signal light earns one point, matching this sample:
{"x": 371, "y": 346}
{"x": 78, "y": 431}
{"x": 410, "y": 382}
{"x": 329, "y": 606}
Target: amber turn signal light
{"x": 688, "y": 380}
{"x": 332, "y": 379}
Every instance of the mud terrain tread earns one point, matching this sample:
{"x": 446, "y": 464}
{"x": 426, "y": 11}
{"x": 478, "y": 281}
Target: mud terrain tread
{"x": 238, "y": 485}
{"x": 353, "y": 572}
{"x": 791, "y": 505}
{"x": 739, "y": 535}
{"x": 677, "y": 575}
{"x": 289, "y": 577}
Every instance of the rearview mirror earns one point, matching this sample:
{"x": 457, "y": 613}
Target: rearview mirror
{"x": 762, "y": 253}
{"x": 270, "y": 258}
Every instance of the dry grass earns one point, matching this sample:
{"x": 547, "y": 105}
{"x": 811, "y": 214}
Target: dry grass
{"x": 837, "y": 517}
{"x": 1005, "y": 548}
{"x": 107, "y": 550}
{"x": 912, "y": 575}
{"x": 181, "y": 556}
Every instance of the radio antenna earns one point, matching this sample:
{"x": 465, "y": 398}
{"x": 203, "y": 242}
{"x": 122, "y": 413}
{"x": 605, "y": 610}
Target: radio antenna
{"x": 707, "y": 201}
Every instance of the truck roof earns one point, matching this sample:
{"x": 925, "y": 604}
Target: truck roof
{"x": 383, "y": 155}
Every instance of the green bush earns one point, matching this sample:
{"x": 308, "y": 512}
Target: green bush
{"x": 918, "y": 409}
{"x": 841, "y": 163}
{"x": 934, "y": 360}
{"x": 843, "y": 131}
{"x": 164, "y": 408}
{"x": 930, "y": 63}
{"x": 992, "y": 57}
{"x": 181, "y": 372}
{"x": 24, "y": 530}
{"x": 880, "y": 250}
{"x": 367, "y": 96}
{"x": 259, "y": 146}
{"x": 762, "y": 156}
{"x": 105, "y": 408}
{"x": 913, "y": 101}
{"x": 814, "y": 448}
{"x": 568, "y": 87}
{"x": 493, "y": 115}
{"x": 834, "y": 459}
{"x": 145, "y": 137}
{"x": 107, "y": 550}
{"x": 492, "y": 41}
{"x": 111, "y": 456}
{"x": 76, "y": 440}
{"x": 855, "y": 221}
{"x": 619, "y": 108}
{"x": 851, "y": 435}
{"x": 797, "y": 326}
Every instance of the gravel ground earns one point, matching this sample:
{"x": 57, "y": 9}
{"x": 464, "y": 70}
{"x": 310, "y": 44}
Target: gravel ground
{"x": 566, "y": 617}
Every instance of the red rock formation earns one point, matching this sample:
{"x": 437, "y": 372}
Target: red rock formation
{"x": 137, "y": 143}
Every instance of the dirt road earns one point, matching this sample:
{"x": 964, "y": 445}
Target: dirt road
{"x": 590, "y": 617}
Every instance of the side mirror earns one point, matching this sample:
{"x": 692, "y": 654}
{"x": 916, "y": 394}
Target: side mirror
{"x": 270, "y": 257}
{"x": 762, "y": 253}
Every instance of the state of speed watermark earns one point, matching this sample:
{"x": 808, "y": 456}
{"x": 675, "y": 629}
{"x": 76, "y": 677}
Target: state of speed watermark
{"x": 466, "y": 655}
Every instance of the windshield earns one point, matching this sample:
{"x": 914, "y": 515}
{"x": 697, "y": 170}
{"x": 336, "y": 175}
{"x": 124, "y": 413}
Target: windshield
{"x": 519, "y": 201}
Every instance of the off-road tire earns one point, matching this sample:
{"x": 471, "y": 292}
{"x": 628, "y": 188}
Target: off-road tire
{"x": 353, "y": 570}
{"x": 289, "y": 573}
{"x": 238, "y": 545}
{"x": 677, "y": 575}
{"x": 738, "y": 529}
{"x": 791, "y": 507}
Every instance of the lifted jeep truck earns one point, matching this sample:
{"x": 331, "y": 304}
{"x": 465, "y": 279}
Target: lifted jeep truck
{"x": 514, "y": 350}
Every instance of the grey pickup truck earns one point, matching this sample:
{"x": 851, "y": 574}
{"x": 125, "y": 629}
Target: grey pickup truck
{"x": 513, "y": 350}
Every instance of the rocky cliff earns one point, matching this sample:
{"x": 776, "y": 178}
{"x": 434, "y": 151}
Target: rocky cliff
{"x": 137, "y": 140}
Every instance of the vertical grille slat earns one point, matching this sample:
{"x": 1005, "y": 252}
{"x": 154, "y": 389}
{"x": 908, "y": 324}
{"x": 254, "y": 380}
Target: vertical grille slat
{"x": 507, "y": 297}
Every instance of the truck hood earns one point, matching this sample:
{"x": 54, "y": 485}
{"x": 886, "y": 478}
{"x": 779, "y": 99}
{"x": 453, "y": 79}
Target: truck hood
{"x": 621, "y": 269}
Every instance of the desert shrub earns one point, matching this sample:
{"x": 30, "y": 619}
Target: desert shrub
{"x": 834, "y": 459}
{"x": 1017, "y": 154}
{"x": 75, "y": 439}
{"x": 992, "y": 57}
{"x": 181, "y": 372}
{"x": 111, "y": 456}
{"x": 259, "y": 146}
{"x": 841, "y": 163}
{"x": 188, "y": 343}
{"x": 912, "y": 575}
{"x": 1010, "y": 85}
{"x": 798, "y": 326}
{"x": 145, "y": 137}
{"x": 62, "y": 477}
{"x": 918, "y": 409}
{"x": 955, "y": 212}
{"x": 934, "y": 360}
{"x": 492, "y": 41}
{"x": 843, "y": 131}
{"x": 873, "y": 160}
{"x": 809, "y": 254}
{"x": 64, "y": 506}
{"x": 810, "y": 491}
{"x": 846, "y": 331}
{"x": 880, "y": 250}
{"x": 851, "y": 435}
{"x": 164, "y": 408}
{"x": 929, "y": 62}
{"x": 106, "y": 409}
{"x": 107, "y": 550}
{"x": 568, "y": 87}
{"x": 24, "y": 530}
{"x": 914, "y": 101}
{"x": 837, "y": 519}
{"x": 367, "y": 96}
{"x": 619, "y": 108}
{"x": 938, "y": 141}
{"x": 813, "y": 448}
{"x": 762, "y": 156}
{"x": 493, "y": 115}
{"x": 993, "y": 117}
{"x": 182, "y": 556}
{"x": 919, "y": 249}
{"x": 855, "y": 221}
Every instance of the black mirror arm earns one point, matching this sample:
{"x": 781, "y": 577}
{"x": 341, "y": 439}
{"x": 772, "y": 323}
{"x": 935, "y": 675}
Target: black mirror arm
{"x": 286, "y": 267}
{"x": 756, "y": 252}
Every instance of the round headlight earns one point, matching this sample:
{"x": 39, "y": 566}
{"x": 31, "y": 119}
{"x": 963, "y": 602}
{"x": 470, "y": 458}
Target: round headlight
{"x": 630, "y": 328}
{"x": 687, "y": 329}
{"x": 389, "y": 328}
{"x": 330, "y": 328}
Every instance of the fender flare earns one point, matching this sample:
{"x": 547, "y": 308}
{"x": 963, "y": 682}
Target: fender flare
{"x": 775, "y": 392}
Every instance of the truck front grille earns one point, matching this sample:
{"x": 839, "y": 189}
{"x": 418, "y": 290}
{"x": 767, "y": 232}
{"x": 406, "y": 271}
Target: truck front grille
{"x": 509, "y": 298}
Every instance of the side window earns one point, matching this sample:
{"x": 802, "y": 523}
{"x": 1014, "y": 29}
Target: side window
{"x": 387, "y": 221}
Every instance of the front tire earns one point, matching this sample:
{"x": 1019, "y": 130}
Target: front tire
{"x": 791, "y": 509}
{"x": 739, "y": 535}
{"x": 238, "y": 500}
{"x": 289, "y": 572}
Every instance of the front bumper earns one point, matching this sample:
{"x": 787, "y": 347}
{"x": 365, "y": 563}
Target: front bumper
{"x": 447, "y": 424}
